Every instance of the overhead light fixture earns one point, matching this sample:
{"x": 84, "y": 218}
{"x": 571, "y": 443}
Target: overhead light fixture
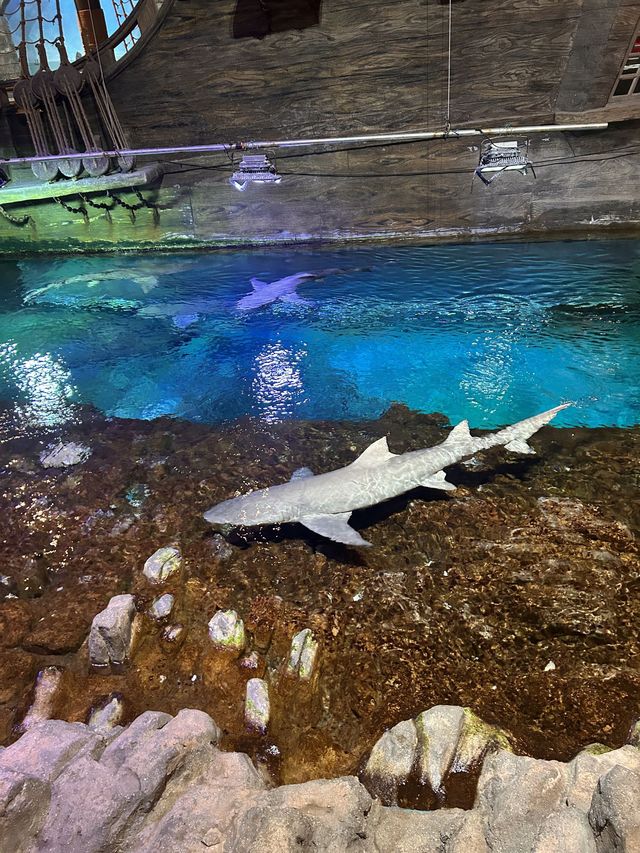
{"x": 499, "y": 157}
{"x": 254, "y": 169}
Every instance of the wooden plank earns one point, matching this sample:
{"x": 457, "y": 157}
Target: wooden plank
{"x": 27, "y": 189}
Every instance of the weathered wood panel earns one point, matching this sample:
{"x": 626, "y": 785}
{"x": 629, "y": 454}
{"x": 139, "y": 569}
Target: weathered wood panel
{"x": 372, "y": 66}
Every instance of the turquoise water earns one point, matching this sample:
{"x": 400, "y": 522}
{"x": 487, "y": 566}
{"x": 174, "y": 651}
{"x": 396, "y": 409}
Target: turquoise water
{"x": 492, "y": 333}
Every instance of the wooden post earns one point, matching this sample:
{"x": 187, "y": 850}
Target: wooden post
{"x": 93, "y": 28}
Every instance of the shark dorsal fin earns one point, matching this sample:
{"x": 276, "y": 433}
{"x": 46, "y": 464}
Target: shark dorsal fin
{"x": 460, "y": 432}
{"x": 335, "y": 527}
{"x": 257, "y": 284}
{"x": 374, "y": 454}
{"x": 301, "y": 474}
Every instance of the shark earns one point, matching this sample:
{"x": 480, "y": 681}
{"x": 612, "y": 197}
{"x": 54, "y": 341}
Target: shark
{"x": 146, "y": 282}
{"x": 184, "y": 314}
{"x": 323, "y": 503}
{"x": 283, "y": 289}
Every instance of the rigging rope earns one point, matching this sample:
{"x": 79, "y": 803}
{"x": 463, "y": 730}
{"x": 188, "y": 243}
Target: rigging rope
{"x": 448, "y": 122}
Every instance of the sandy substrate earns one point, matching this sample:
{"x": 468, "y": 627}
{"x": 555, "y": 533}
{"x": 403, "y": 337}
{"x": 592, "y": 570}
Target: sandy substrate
{"x": 465, "y": 599}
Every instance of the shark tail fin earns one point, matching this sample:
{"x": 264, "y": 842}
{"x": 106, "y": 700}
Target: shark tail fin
{"x": 460, "y": 432}
{"x": 258, "y": 284}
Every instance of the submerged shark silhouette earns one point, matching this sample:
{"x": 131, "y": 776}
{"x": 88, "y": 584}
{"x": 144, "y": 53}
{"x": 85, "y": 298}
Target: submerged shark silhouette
{"x": 324, "y": 502}
{"x": 284, "y": 289}
{"x": 183, "y": 314}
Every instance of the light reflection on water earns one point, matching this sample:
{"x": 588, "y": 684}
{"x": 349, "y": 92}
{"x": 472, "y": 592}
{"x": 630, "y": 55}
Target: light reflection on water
{"x": 44, "y": 389}
{"x": 277, "y": 384}
{"x": 492, "y": 333}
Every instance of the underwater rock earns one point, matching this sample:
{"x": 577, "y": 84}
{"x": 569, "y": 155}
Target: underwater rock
{"x": 476, "y": 740}
{"x": 391, "y": 760}
{"x": 47, "y": 685}
{"x": 105, "y": 719}
{"x": 302, "y": 655}
{"x": 250, "y": 661}
{"x": 256, "y": 706}
{"x": 62, "y": 455}
{"x": 162, "y": 564}
{"x": 226, "y": 630}
{"x": 162, "y": 606}
{"x": 32, "y": 579}
{"x": 112, "y": 631}
{"x": 137, "y": 494}
{"x": 445, "y": 739}
{"x": 173, "y": 633}
{"x": 439, "y": 731}
{"x": 220, "y": 548}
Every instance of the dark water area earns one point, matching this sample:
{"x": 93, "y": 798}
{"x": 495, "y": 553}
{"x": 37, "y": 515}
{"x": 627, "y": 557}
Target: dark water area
{"x": 516, "y": 595}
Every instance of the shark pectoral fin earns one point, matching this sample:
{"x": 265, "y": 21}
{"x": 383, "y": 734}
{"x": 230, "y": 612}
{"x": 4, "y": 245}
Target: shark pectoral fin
{"x": 181, "y": 321}
{"x": 460, "y": 432}
{"x": 257, "y": 284}
{"x": 302, "y": 474}
{"x": 335, "y": 527}
{"x": 438, "y": 481}
{"x": 519, "y": 445}
{"x": 374, "y": 454}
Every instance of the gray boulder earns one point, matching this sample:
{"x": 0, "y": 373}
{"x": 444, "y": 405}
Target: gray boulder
{"x": 63, "y": 455}
{"x": 565, "y": 831}
{"x": 226, "y": 630}
{"x": 256, "y": 707}
{"x": 24, "y": 801}
{"x": 162, "y": 564}
{"x": 162, "y": 606}
{"x": 47, "y": 685}
{"x": 615, "y": 811}
{"x": 105, "y": 718}
{"x": 391, "y": 761}
{"x": 408, "y": 831}
{"x": 112, "y": 631}
{"x": 515, "y": 797}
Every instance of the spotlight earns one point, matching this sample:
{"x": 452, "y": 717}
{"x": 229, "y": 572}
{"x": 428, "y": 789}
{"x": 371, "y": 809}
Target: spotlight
{"x": 499, "y": 157}
{"x": 254, "y": 169}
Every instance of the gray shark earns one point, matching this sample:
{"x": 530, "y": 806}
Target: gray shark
{"x": 94, "y": 279}
{"x": 324, "y": 502}
{"x": 183, "y": 314}
{"x": 284, "y": 289}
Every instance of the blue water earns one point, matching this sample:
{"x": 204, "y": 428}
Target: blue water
{"x": 492, "y": 333}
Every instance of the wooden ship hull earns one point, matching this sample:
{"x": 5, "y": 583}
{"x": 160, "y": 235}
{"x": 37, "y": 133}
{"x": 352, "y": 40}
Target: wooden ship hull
{"x": 214, "y": 73}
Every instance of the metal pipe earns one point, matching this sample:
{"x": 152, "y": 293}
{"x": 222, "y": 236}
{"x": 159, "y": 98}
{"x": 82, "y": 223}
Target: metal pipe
{"x": 327, "y": 140}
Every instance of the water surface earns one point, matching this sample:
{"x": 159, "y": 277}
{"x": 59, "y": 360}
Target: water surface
{"x": 492, "y": 333}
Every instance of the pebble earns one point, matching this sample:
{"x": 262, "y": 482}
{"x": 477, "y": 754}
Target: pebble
{"x": 47, "y": 685}
{"x": 162, "y": 606}
{"x": 256, "y": 707}
{"x": 173, "y": 633}
{"x": 62, "y": 455}
{"x": 226, "y": 630}
{"x": 162, "y": 564}
{"x": 302, "y": 655}
{"x": 107, "y": 717}
{"x": 550, "y": 666}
